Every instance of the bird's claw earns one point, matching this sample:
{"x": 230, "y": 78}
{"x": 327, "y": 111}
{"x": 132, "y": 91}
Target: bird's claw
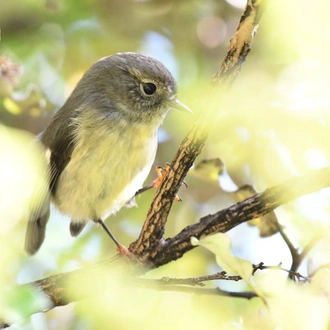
{"x": 161, "y": 172}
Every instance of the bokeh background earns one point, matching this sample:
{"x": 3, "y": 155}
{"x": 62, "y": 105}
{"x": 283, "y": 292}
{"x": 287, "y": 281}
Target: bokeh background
{"x": 273, "y": 124}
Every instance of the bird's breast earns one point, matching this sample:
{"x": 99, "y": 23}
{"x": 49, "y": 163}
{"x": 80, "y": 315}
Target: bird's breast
{"x": 107, "y": 167}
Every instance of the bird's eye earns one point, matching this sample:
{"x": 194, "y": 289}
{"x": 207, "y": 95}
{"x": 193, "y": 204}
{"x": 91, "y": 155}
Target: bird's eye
{"x": 148, "y": 88}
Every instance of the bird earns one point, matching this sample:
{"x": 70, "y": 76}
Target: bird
{"x": 101, "y": 144}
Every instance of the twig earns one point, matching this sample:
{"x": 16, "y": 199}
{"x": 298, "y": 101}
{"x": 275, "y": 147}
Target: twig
{"x": 293, "y": 274}
{"x": 199, "y": 280}
{"x": 297, "y": 258}
{"x": 296, "y": 262}
{"x": 293, "y": 250}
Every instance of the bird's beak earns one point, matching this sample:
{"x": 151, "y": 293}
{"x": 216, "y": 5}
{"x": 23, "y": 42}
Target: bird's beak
{"x": 176, "y": 104}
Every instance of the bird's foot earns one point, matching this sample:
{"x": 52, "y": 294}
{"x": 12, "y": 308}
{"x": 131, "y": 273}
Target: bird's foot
{"x": 161, "y": 172}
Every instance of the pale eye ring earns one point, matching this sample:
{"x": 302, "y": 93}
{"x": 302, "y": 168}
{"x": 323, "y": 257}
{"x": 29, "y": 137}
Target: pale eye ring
{"x": 148, "y": 89}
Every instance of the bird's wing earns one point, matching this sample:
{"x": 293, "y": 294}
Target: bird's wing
{"x": 59, "y": 144}
{"x": 61, "y": 151}
{"x": 58, "y": 138}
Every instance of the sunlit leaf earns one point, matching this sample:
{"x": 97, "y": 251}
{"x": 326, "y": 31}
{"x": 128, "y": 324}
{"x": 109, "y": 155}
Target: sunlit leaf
{"x": 11, "y": 106}
{"x": 220, "y": 245}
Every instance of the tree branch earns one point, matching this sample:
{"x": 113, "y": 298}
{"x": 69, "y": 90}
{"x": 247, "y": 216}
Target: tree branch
{"x": 240, "y": 44}
{"x": 151, "y": 236}
{"x": 253, "y": 207}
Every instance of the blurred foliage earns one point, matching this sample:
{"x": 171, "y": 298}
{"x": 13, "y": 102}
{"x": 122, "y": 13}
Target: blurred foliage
{"x": 267, "y": 224}
{"x": 273, "y": 124}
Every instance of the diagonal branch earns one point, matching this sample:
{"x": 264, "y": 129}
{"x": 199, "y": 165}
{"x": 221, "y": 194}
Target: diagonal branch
{"x": 239, "y": 46}
{"x": 252, "y": 208}
{"x": 151, "y": 236}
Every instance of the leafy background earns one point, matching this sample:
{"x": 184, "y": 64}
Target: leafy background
{"x": 272, "y": 125}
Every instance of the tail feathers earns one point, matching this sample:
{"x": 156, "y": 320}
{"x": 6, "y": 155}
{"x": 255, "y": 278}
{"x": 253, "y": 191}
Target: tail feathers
{"x": 76, "y": 228}
{"x": 35, "y": 232}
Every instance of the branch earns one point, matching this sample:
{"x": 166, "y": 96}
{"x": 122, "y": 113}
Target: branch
{"x": 199, "y": 280}
{"x": 252, "y": 208}
{"x": 298, "y": 257}
{"x": 151, "y": 236}
{"x": 293, "y": 274}
{"x": 239, "y": 47}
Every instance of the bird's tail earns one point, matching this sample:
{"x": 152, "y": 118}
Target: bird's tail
{"x": 35, "y": 232}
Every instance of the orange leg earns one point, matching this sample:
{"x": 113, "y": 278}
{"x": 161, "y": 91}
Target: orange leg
{"x": 121, "y": 249}
{"x": 161, "y": 171}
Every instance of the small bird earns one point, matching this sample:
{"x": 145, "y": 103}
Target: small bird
{"x": 102, "y": 142}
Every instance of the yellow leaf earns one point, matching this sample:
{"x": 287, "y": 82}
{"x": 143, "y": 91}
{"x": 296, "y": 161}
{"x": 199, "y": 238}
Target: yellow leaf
{"x": 12, "y": 106}
{"x": 208, "y": 169}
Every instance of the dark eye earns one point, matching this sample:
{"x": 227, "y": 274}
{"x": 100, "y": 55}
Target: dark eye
{"x": 148, "y": 88}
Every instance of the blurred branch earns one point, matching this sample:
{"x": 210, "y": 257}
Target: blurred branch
{"x": 297, "y": 258}
{"x": 239, "y": 46}
{"x": 294, "y": 251}
{"x": 151, "y": 236}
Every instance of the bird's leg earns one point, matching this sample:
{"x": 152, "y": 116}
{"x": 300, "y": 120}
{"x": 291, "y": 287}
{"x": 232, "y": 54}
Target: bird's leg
{"x": 161, "y": 171}
{"x": 121, "y": 249}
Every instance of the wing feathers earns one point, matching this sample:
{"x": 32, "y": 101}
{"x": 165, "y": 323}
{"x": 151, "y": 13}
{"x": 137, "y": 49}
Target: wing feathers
{"x": 35, "y": 232}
